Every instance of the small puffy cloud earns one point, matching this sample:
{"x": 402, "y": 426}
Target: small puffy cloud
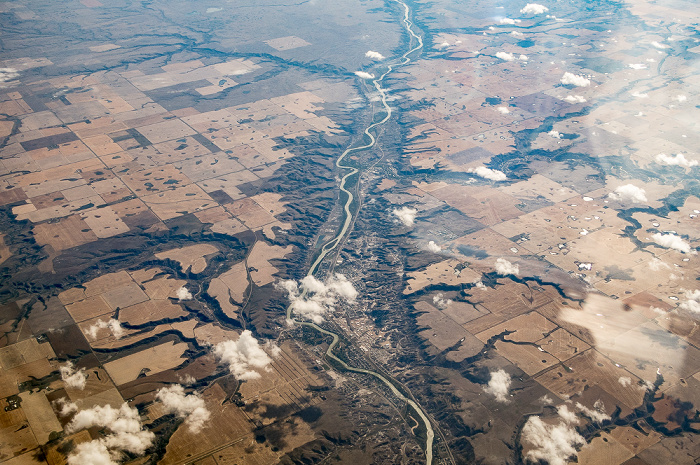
{"x": 675, "y": 160}
{"x": 625, "y": 381}
{"x": 534, "y": 9}
{"x": 554, "y": 134}
{"x": 655, "y": 265}
{"x": 508, "y": 21}
{"x": 637, "y": 66}
{"x": 433, "y": 247}
{"x": 487, "y": 173}
{"x": 498, "y": 385}
{"x": 187, "y": 379}
{"x": 637, "y": 94}
{"x": 503, "y": 110}
{"x": 8, "y": 74}
{"x": 374, "y": 55}
{"x": 92, "y": 452}
{"x": 73, "y": 379}
{"x": 65, "y": 407}
{"x": 517, "y": 34}
{"x": 523, "y": 58}
{"x": 692, "y": 302}
{"x": 574, "y": 99}
{"x": 671, "y": 241}
{"x": 571, "y": 79}
{"x": 567, "y": 415}
{"x": 629, "y": 193}
{"x": 364, "y": 75}
{"x": 190, "y": 407}
{"x": 440, "y": 302}
{"x": 340, "y": 286}
{"x": 124, "y": 433}
{"x": 505, "y": 56}
{"x": 116, "y": 328}
{"x": 184, "y": 294}
{"x": 659, "y": 45}
{"x": 680, "y": 98}
{"x": 553, "y": 444}
{"x": 406, "y": 215}
{"x": 597, "y": 413}
{"x": 112, "y": 324}
{"x": 504, "y": 267}
{"x": 443, "y": 45}
{"x": 312, "y": 299}
{"x": 243, "y": 356}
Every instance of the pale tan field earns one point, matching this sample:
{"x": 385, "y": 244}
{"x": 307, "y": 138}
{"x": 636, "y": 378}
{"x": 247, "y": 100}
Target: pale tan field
{"x": 192, "y": 258}
{"x": 150, "y": 361}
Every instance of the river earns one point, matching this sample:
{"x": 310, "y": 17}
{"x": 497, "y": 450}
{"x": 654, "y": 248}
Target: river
{"x": 416, "y": 42}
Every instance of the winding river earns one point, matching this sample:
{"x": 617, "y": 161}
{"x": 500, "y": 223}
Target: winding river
{"x": 328, "y": 247}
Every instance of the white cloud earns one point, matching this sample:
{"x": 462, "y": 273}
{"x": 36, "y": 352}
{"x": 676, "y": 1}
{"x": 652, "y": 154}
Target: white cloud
{"x": 534, "y": 8}
{"x": 65, "y": 407}
{"x": 566, "y": 414}
{"x": 504, "y": 267}
{"x": 374, "y": 55}
{"x": 487, "y": 173}
{"x": 629, "y": 193}
{"x": 505, "y": 56}
{"x": 406, "y": 215}
{"x": 91, "y": 452}
{"x": 364, "y": 75}
{"x": 187, "y": 379}
{"x": 677, "y": 159}
{"x": 498, "y": 386}
{"x": 443, "y": 45}
{"x": 73, "y": 379}
{"x": 574, "y": 99}
{"x": 184, "y": 294}
{"x": 243, "y": 356}
{"x": 440, "y": 301}
{"x": 680, "y": 98}
{"x": 313, "y": 298}
{"x": 112, "y": 324}
{"x": 116, "y": 328}
{"x": 479, "y": 284}
{"x": 8, "y": 74}
{"x": 636, "y": 94}
{"x": 597, "y": 413}
{"x": 692, "y": 302}
{"x": 570, "y": 79}
{"x": 523, "y": 58}
{"x": 433, "y": 247}
{"x": 190, "y": 407}
{"x": 554, "y": 134}
{"x": 658, "y": 45}
{"x": 625, "y": 381}
{"x": 671, "y": 241}
{"x": 124, "y": 434}
{"x": 655, "y": 265}
{"x": 637, "y": 66}
{"x": 554, "y": 444}
{"x": 503, "y": 110}
{"x": 517, "y": 34}
{"x": 509, "y": 21}
{"x": 340, "y": 286}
